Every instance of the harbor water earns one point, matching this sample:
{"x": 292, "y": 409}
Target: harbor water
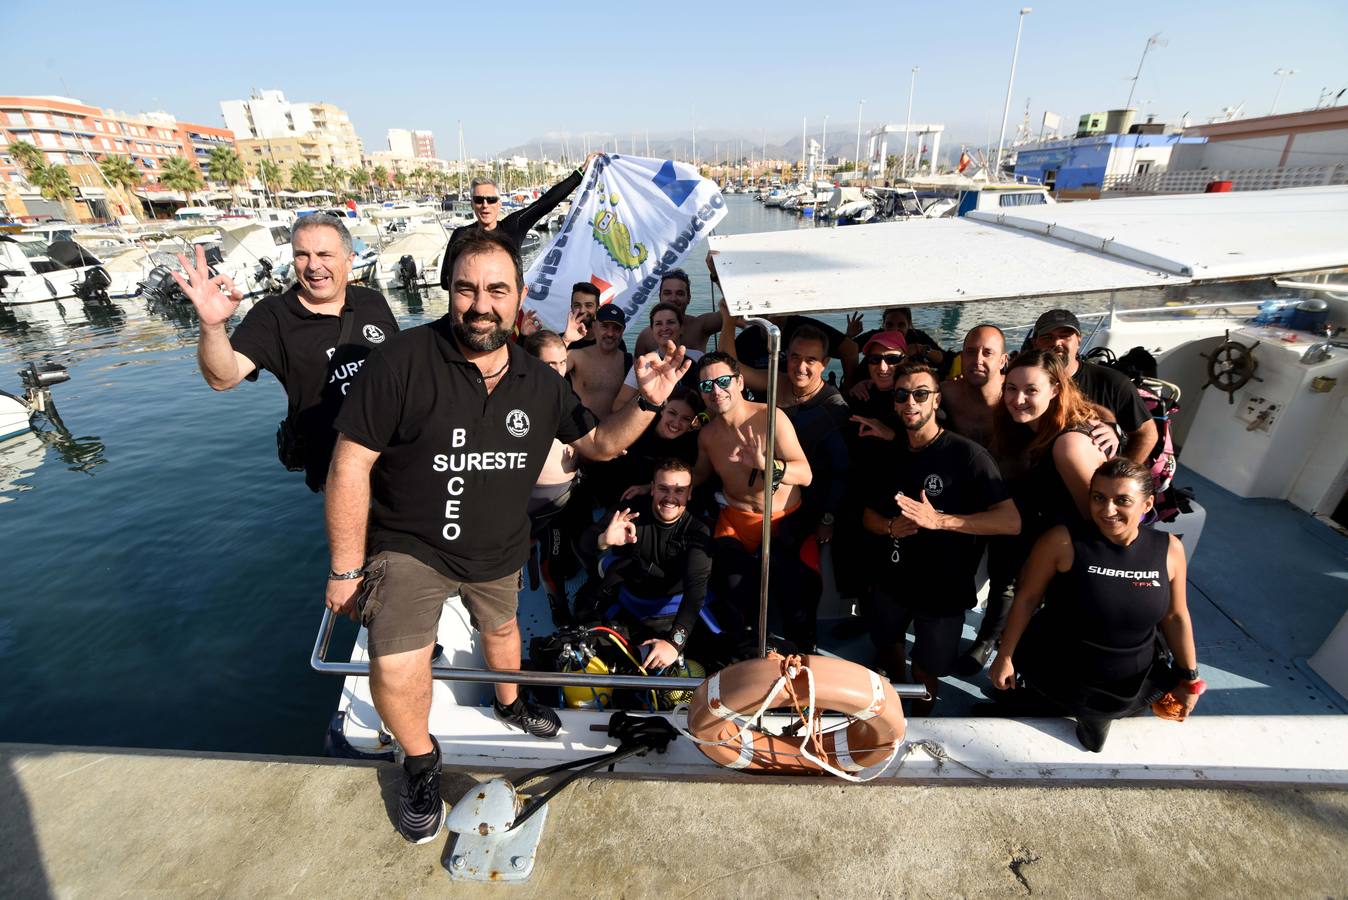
{"x": 163, "y": 575}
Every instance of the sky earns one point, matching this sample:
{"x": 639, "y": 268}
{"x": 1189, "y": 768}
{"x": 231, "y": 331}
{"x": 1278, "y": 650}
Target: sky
{"x": 515, "y": 72}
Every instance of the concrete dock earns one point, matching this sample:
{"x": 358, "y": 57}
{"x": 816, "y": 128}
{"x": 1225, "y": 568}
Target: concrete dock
{"x": 100, "y": 823}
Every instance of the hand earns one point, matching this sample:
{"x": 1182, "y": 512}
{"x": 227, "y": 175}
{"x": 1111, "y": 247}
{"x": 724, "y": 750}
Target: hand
{"x": 854, "y": 325}
{"x": 823, "y": 533}
{"x": 861, "y": 390}
{"x": 922, "y": 514}
{"x": 749, "y": 450}
{"x": 341, "y": 597}
{"x": 902, "y": 527}
{"x": 656, "y": 377}
{"x": 620, "y": 530}
{"x": 529, "y": 323}
{"x": 575, "y": 327}
{"x": 1105, "y": 438}
{"x": 593, "y": 154}
{"x": 661, "y": 655}
{"x": 215, "y": 298}
{"x": 1190, "y": 698}
{"x": 636, "y": 490}
{"x": 873, "y": 428}
{"x": 711, "y": 266}
{"x": 1003, "y": 673}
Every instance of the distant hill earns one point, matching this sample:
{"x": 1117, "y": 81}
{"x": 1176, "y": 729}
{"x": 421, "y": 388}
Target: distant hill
{"x": 712, "y": 146}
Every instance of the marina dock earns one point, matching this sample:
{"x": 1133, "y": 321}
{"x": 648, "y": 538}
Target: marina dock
{"x": 114, "y": 822}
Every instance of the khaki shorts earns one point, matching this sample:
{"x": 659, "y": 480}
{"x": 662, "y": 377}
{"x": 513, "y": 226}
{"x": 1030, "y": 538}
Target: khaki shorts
{"x": 401, "y": 597}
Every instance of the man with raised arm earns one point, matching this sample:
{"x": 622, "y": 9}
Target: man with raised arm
{"x": 676, "y": 290}
{"x": 314, "y": 337}
{"x": 447, "y": 433}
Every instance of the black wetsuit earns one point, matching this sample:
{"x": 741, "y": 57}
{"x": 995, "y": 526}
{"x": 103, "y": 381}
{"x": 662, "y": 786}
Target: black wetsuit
{"x": 1093, "y": 647}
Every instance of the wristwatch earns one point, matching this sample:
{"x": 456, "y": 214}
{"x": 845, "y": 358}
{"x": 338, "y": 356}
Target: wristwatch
{"x": 648, "y": 406}
{"x": 826, "y": 519}
{"x": 678, "y": 637}
{"x": 1185, "y": 674}
{"x": 346, "y": 576}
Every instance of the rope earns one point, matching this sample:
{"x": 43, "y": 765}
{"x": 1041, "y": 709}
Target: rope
{"x": 793, "y": 666}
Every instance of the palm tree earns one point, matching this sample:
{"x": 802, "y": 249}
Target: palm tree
{"x": 271, "y": 175}
{"x": 29, "y": 158}
{"x": 302, "y": 176}
{"x": 379, "y": 175}
{"x": 121, "y": 171}
{"x": 400, "y": 179}
{"x": 181, "y": 175}
{"x": 334, "y": 177}
{"x": 54, "y": 182}
{"x": 226, "y": 168}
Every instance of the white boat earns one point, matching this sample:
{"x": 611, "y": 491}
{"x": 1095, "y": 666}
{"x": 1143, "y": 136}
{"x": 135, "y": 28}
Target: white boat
{"x": 411, "y": 259}
{"x": 33, "y": 271}
{"x": 257, "y": 256}
{"x": 17, "y": 410}
{"x": 1174, "y": 273}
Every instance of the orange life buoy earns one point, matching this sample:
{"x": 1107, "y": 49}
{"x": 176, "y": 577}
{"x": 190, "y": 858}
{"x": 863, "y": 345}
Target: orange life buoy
{"x": 737, "y": 692}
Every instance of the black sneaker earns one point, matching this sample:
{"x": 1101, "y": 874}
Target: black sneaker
{"x": 421, "y": 811}
{"x": 529, "y": 717}
{"x": 976, "y": 657}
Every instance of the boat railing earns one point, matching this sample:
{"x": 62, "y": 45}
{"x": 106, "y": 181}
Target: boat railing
{"x": 319, "y": 662}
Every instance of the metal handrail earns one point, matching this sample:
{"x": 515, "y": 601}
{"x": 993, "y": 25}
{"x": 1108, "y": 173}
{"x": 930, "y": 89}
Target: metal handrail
{"x": 769, "y": 453}
{"x": 319, "y": 663}
{"x": 1182, "y": 307}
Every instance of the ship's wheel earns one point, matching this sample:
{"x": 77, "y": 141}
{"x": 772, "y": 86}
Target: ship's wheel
{"x": 1231, "y": 366}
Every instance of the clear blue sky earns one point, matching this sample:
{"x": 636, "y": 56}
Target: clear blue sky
{"x": 516, "y": 71}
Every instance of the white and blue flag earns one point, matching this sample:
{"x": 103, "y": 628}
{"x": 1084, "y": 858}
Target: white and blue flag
{"x": 633, "y": 220}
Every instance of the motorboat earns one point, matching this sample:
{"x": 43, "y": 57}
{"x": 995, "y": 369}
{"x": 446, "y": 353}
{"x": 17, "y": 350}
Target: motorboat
{"x": 18, "y": 410}
{"x": 1184, "y": 277}
{"x": 34, "y": 271}
{"x": 256, "y": 256}
{"x": 411, "y": 259}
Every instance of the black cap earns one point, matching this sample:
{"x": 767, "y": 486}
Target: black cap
{"x": 610, "y": 313}
{"x": 1056, "y": 318}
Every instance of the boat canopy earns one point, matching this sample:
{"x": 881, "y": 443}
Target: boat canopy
{"x": 1036, "y": 251}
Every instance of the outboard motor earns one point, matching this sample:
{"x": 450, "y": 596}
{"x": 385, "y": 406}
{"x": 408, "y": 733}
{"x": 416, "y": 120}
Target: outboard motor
{"x": 93, "y": 288}
{"x": 37, "y": 381}
{"x": 159, "y": 286}
{"x": 214, "y": 257}
{"x": 407, "y": 271}
{"x": 266, "y": 277}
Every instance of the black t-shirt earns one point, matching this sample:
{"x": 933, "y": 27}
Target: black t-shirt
{"x": 751, "y": 344}
{"x": 934, "y": 574}
{"x": 515, "y": 227}
{"x": 456, "y": 467}
{"x": 299, "y": 347}
{"x": 1115, "y": 392}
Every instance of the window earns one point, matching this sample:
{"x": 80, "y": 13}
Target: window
{"x": 1026, "y": 199}
{"x": 98, "y": 126}
{"x": 107, "y": 144}
{"x": 16, "y": 118}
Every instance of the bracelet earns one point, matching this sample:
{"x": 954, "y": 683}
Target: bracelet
{"x": 753, "y": 476}
{"x": 889, "y": 527}
{"x": 778, "y": 473}
{"x": 346, "y": 576}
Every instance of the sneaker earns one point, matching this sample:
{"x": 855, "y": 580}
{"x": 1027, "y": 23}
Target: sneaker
{"x": 529, "y": 717}
{"x": 976, "y": 657}
{"x": 421, "y": 811}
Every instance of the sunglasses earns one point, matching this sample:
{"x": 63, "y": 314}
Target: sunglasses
{"x": 721, "y": 381}
{"x": 479, "y": 201}
{"x": 892, "y": 359}
{"x": 920, "y": 395}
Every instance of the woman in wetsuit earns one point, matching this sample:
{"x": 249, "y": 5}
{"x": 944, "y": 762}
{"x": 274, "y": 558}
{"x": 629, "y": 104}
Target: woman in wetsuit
{"x": 1109, "y": 590}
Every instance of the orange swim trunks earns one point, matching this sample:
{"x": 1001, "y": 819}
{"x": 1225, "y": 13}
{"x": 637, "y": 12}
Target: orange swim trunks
{"x": 747, "y": 527}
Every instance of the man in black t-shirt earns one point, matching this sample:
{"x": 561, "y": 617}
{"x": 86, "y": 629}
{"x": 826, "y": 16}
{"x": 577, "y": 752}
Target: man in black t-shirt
{"x": 930, "y": 510}
{"x": 314, "y": 337}
{"x": 446, "y": 432}
{"x": 514, "y": 227}
{"x": 1058, "y": 330}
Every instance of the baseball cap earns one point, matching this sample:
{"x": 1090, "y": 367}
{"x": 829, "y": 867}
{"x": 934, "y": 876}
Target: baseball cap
{"x": 889, "y": 340}
{"x": 610, "y": 313}
{"x": 1056, "y": 318}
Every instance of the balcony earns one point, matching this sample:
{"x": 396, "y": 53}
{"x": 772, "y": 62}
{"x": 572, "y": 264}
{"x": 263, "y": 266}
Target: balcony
{"x": 1193, "y": 181}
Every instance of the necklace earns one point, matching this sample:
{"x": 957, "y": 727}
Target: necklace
{"x": 926, "y": 444}
{"x": 499, "y": 372}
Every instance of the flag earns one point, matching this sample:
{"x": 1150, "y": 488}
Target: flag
{"x": 634, "y": 220}
{"x": 964, "y": 161}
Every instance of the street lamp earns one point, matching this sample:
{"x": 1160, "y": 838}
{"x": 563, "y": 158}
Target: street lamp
{"x": 856, "y": 161}
{"x": 1282, "y": 79}
{"x": 1006, "y": 108}
{"x": 912, "y": 83}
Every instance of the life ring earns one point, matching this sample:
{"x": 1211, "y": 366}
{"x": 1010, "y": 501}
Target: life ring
{"x": 723, "y": 705}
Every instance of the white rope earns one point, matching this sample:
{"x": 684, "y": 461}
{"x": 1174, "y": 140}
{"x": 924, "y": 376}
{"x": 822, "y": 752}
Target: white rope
{"x": 812, "y": 725}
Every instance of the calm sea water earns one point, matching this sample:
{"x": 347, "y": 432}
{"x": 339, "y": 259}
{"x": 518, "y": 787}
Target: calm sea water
{"x": 162, "y": 575}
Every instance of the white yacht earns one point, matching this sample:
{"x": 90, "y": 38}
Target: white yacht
{"x": 1263, "y": 445}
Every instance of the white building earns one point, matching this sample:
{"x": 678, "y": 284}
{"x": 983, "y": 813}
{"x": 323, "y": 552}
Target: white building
{"x": 268, "y": 115}
{"x": 411, "y": 144}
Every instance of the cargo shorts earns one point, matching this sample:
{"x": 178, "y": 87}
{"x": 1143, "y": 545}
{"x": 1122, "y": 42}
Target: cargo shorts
{"x": 401, "y": 597}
